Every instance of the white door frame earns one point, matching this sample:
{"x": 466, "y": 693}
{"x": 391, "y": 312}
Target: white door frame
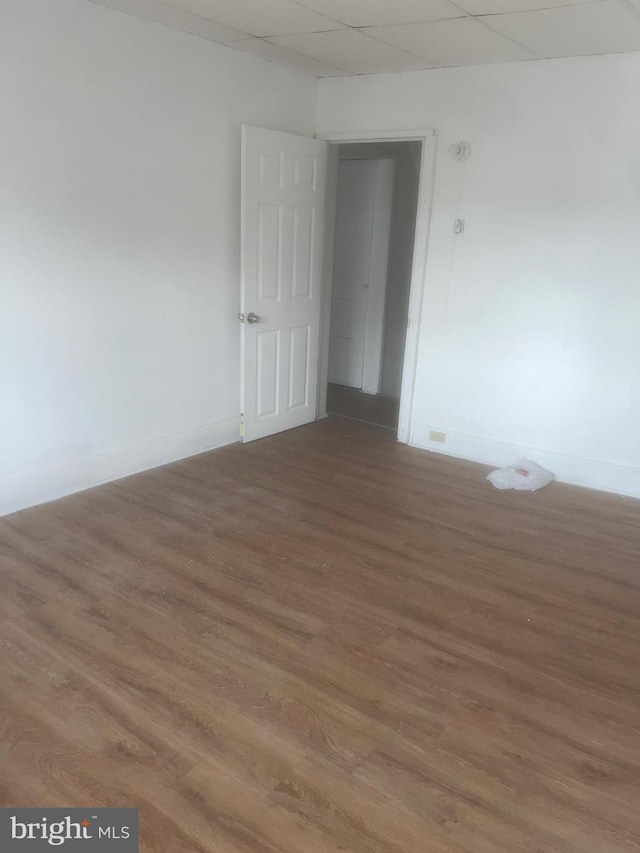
{"x": 416, "y": 293}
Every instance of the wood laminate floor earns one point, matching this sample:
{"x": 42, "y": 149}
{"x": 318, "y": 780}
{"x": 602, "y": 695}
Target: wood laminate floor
{"x": 326, "y": 641}
{"x": 369, "y": 408}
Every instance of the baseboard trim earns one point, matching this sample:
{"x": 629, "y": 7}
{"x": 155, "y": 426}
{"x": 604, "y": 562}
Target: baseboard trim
{"x": 31, "y": 488}
{"x": 46, "y": 484}
{"x": 589, "y": 473}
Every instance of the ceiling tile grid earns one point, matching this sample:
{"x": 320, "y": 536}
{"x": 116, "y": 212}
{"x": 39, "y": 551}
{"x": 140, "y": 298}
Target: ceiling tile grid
{"x": 458, "y": 41}
{"x": 175, "y": 17}
{"x": 346, "y": 37}
{"x": 277, "y": 53}
{"x": 497, "y": 7}
{"x": 371, "y": 13}
{"x": 577, "y": 30}
{"x": 260, "y": 17}
{"x": 353, "y": 50}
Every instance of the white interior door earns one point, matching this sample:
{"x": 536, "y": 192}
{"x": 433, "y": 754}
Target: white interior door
{"x": 283, "y": 186}
{"x": 363, "y": 227}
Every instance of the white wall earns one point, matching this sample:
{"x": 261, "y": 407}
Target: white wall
{"x": 119, "y": 252}
{"x": 119, "y": 270}
{"x": 530, "y": 336}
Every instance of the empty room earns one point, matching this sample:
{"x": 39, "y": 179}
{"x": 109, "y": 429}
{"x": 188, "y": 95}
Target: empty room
{"x": 320, "y": 426}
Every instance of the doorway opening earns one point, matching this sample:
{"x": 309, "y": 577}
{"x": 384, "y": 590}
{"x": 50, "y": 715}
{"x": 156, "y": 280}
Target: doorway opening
{"x": 376, "y": 206}
{"x": 289, "y": 193}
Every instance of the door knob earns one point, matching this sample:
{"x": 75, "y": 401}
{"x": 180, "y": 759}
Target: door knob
{"x": 252, "y": 318}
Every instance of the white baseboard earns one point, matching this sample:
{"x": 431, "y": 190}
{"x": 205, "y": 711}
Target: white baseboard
{"x": 46, "y": 484}
{"x": 590, "y": 473}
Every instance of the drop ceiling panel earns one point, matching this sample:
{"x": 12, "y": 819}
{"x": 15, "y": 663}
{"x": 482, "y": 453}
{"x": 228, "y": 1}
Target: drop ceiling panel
{"x": 601, "y": 27}
{"x": 317, "y": 36}
{"x": 351, "y": 50}
{"x": 260, "y": 17}
{"x": 495, "y": 7}
{"x": 277, "y": 53}
{"x": 178, "y": 19}
{"x": 369, "y": 13}
{"x": 462, "y": 41}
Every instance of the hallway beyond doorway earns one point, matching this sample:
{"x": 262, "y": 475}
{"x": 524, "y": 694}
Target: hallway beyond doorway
{"x": 369, "y": 408}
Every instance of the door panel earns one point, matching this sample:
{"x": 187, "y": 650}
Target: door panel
{"x": 363, "y": 230}
{"x": 352, "y": 257}
{"x": 267, "y": 369}
{"x": 300, "y": 339}
{"x": 303, "y": 252}
{"x": 283, "y": 178}
{"x": 269, "y": 251}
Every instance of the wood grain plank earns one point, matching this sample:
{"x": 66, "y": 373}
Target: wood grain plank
{"x": 325, "y": 641}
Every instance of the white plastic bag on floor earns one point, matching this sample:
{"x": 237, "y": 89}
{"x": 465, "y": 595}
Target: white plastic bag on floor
{"x": 524, "y": 475}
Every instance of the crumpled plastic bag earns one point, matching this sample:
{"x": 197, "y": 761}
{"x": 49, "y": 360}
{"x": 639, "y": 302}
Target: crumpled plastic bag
{"x": 524, "y": 475}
